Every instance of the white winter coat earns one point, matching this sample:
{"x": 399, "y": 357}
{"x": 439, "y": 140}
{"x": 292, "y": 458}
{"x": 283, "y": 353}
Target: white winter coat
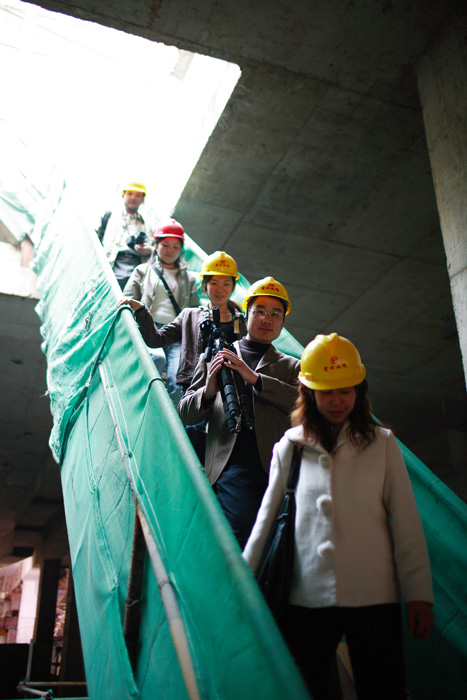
{"x": 346, "y": 553}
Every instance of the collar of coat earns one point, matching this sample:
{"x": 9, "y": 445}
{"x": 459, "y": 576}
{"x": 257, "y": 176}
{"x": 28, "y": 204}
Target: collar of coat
{"x": 156, "y": 262}
{"x": 136, "y": 215}
{"x": 235, "y": 312}
{"x": 296, "y": 435}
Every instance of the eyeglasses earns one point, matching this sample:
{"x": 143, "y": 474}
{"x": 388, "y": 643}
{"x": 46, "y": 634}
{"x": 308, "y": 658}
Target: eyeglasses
{"x": 261, "y": 313}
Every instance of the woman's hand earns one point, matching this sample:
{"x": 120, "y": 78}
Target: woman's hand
{"x": 233, "y": 361}
{"x": 143, "y": 249}
{"x": 420, "y": 617}
{"x": 135, "y": 305}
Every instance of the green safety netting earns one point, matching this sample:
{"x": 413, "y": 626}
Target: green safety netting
{"x": 100, "y": 375}
{"x": 437, "y": 667}
{"x": 30, "y": 187}
{"x": 116, "y": 436}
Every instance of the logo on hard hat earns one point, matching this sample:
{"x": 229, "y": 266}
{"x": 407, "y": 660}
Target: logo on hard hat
{"x": 271, "y": 285}
{"x": 333, "y": 366}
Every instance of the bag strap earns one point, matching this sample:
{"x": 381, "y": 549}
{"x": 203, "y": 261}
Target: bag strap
{"x": 104, "y": 221}
{"x": 294, "y": 469}
{"x": 177, "y": 309}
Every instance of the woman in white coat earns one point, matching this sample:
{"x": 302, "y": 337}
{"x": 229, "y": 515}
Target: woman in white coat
{"x": 359, "y": 543}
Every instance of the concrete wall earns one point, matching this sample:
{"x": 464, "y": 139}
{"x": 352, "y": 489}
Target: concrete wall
{"x": 442, "y": 79}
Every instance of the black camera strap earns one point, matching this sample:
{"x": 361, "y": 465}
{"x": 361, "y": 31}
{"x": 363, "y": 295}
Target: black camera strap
{"x": 170, "y": 294}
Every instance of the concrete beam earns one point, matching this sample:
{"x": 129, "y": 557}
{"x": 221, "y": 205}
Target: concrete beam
{"x": 442, "y": 79}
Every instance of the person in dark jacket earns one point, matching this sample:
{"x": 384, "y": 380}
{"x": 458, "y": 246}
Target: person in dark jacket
{"x": 237, "y": 463}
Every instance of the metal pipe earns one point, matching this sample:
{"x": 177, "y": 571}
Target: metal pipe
{"x": 38, "y": 693}
{"x": 172, "y": 610}
{"x": 169, "y": 599}
{"x": 50, "y": 684}
{"x": 30, "y": 653}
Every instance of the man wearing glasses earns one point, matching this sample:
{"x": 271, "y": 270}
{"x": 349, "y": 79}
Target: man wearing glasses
{"x": 237, "y": 464}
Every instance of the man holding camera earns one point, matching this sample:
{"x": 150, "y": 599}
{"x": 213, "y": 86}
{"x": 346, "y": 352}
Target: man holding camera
{"x": 237, "y": 463}
{"x": 124, "y": 234}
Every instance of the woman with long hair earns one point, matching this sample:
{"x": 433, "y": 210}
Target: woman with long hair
{"x": 359, "y": 543}
{"x": 219, "y": 274}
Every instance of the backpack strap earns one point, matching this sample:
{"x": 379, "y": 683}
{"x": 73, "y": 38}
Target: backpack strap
{"x": 104, "y": 221}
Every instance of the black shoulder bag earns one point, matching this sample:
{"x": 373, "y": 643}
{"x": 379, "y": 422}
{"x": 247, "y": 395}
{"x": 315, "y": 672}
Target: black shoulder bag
{"x": 274, "y": 574}
{"x": 177, "y": 309}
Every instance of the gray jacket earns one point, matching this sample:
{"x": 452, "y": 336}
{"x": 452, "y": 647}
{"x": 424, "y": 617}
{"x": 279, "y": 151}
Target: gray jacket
{"x": 144, "y": 282}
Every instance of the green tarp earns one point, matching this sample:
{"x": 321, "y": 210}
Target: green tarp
{"x": 116, "y": 436}
{"x": 100, "y": 375}
{"x": 437, "y": 667}
{"x": 30, "y": 187}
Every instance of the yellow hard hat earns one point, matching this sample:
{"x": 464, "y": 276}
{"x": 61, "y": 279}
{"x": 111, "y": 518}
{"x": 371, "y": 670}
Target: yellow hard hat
{"x": 219, "y": 263}
{"x": 331, "y": 362}
{"x": 134, "y": 187}
{"x": 267, "y": 287}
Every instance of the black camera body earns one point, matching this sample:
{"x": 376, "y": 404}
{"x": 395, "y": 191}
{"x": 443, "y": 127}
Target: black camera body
{"x": 213, "y": 340}
{"x": 140, "y": 239}
{"x": 231, "y": 384}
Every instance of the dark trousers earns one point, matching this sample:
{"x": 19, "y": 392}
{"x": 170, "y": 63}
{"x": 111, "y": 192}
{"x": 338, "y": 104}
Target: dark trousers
{"x": 374, "y": 638}
{"x": 123, "y": 266}
{"x": 240, "y": 491}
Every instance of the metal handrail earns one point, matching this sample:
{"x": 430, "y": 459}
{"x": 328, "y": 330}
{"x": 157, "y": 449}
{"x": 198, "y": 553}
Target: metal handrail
{"x": 23, "y": 688}
{"x": 26, "y": 687}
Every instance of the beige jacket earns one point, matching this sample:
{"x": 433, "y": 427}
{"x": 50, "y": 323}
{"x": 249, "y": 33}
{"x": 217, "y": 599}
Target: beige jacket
{"x": 144, "y": 283}
{"x": 346, "y": 552}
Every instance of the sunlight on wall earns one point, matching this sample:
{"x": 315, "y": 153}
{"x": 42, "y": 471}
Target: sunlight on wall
{"x": 107, "y": 107}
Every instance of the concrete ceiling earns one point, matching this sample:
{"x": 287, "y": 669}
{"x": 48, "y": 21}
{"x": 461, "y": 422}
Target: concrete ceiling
{"x": 318, "y": 174}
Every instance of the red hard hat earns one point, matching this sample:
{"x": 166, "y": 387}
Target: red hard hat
{"x": 171, "y": 228}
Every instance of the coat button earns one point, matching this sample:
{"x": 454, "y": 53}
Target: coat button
{"x": 326, "y": 550}
{"x": 324, "y": 504}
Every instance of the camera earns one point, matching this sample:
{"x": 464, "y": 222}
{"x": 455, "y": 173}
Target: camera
{"x": 232, "y": 386}
{"x": 140, "y": 239}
